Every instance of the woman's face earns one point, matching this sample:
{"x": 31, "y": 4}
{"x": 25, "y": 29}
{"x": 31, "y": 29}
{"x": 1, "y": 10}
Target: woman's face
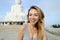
{"x": 33, "y": 16}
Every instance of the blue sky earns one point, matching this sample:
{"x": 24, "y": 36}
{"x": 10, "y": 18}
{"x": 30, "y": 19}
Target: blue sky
{"x": 51, "y": 9}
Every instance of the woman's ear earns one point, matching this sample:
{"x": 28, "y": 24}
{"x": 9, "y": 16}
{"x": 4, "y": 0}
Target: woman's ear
{"x": 42, "y": 20}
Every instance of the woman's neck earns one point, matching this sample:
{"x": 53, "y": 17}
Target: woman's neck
{"x": 32, "y": 26}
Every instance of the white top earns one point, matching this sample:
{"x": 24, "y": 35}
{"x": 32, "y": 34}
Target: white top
{"x": 26, "y": 34}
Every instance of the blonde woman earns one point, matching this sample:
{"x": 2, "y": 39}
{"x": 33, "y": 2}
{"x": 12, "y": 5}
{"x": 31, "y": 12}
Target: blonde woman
{"x": 34, "y": 29}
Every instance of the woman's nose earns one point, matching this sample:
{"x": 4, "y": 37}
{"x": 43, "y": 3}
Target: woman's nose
{"x": 32, "y": 16}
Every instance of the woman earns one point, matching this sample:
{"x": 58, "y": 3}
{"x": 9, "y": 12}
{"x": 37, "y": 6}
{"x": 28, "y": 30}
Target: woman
{"x": 34, "y": 29}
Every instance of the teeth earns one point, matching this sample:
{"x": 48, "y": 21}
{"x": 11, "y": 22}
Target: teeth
{"x": 32, "y": 20}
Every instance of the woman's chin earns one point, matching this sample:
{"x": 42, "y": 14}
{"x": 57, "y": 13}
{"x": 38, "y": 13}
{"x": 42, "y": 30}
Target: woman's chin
{"x": 33, "y": 23}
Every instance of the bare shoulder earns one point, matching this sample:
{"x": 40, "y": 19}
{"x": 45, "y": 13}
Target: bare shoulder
{"x": 45, "y": 36}
{"x": 21, "y": 27}
{"x": 20, "y": 32}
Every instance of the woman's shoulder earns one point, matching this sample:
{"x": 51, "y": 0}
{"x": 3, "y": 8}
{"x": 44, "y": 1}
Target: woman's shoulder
{"x": 21, "y": 27}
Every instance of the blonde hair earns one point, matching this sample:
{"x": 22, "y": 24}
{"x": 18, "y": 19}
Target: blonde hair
{"x": 39, "y": 24}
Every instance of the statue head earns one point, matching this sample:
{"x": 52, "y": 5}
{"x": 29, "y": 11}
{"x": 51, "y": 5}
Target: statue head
{"x": 18, "y": 1}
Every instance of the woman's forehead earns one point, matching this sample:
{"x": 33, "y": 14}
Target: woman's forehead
{"x": 33, "y": 11}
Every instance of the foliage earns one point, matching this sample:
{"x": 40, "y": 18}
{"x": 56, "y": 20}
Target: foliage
{"x": 56, "y": 26}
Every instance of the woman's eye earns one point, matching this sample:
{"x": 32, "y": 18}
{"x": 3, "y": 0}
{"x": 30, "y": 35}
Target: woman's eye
{"x": 36, "y": 15}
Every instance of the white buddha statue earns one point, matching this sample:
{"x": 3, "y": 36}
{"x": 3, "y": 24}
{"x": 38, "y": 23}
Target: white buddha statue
{"x": 16, "y": 13}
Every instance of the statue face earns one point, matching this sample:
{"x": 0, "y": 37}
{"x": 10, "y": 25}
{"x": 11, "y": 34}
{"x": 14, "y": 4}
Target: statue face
{"x": 17, "y": 1}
